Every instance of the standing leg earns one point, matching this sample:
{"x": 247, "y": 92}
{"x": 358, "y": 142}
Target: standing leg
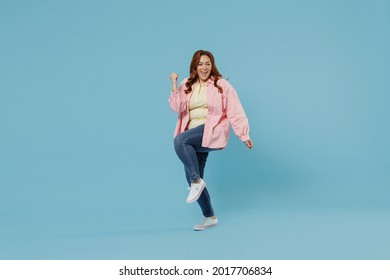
{"x": 204, "y": 199}
{"x": 204, "y": 202}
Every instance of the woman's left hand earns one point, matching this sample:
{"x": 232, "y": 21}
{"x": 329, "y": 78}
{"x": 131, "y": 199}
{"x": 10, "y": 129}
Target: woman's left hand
{"x": 249, "y": 143}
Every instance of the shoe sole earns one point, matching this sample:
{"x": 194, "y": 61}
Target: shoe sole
{"x": 206, "y": 227}
{"x": 197, "y": 197}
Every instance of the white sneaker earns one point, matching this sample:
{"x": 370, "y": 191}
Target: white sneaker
{"x": 195, "y": 191}
{"x": 207, "y": 222}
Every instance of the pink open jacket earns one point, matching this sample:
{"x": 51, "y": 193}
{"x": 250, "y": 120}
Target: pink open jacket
{"x": 223, "y": 109}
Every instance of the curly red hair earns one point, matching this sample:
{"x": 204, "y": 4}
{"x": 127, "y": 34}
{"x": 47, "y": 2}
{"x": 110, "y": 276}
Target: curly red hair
{"x": 214, "y": 75}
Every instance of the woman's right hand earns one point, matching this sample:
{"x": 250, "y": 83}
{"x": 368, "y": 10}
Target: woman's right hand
{"x": 174, "y": 77}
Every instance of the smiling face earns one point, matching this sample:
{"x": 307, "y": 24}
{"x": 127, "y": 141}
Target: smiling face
{"x": 204, "y": 68}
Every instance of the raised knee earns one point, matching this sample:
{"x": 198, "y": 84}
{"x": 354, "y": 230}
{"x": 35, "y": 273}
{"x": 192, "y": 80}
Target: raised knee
{"x": 179, "y": 139}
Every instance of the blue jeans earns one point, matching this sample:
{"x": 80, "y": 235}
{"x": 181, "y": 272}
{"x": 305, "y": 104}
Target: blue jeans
{"x": 188, "y": 147}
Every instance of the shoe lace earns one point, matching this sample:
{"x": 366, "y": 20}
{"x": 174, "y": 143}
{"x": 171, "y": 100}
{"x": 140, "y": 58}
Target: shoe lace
{"x": 193, "y": 187}
{"x": 205, "y": 220}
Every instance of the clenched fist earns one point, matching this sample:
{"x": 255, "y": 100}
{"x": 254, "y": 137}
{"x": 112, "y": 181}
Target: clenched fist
{"x": 174, "y": 77}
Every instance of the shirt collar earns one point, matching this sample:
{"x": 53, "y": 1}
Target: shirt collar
{"x": 208, "y": 82}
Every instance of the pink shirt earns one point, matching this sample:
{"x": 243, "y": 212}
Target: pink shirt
{"x": 223, "y": 109}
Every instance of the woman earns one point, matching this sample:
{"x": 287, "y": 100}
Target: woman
{"x": 206, "y": 104}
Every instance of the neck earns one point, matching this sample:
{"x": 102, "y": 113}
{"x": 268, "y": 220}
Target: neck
{"x": 201, "y": 82}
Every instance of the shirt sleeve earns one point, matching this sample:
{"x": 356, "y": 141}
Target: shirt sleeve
{"x": 236, "y": 115}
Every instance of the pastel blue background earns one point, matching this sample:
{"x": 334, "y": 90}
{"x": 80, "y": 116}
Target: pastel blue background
{"x": 87, "y": 166}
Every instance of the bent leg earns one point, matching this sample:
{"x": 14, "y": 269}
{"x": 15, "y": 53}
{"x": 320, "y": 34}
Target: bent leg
{"x": 185, "y": 145}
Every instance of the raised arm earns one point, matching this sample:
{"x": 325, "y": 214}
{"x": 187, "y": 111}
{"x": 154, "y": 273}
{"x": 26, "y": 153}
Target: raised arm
{"x": 177, "y": 99}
